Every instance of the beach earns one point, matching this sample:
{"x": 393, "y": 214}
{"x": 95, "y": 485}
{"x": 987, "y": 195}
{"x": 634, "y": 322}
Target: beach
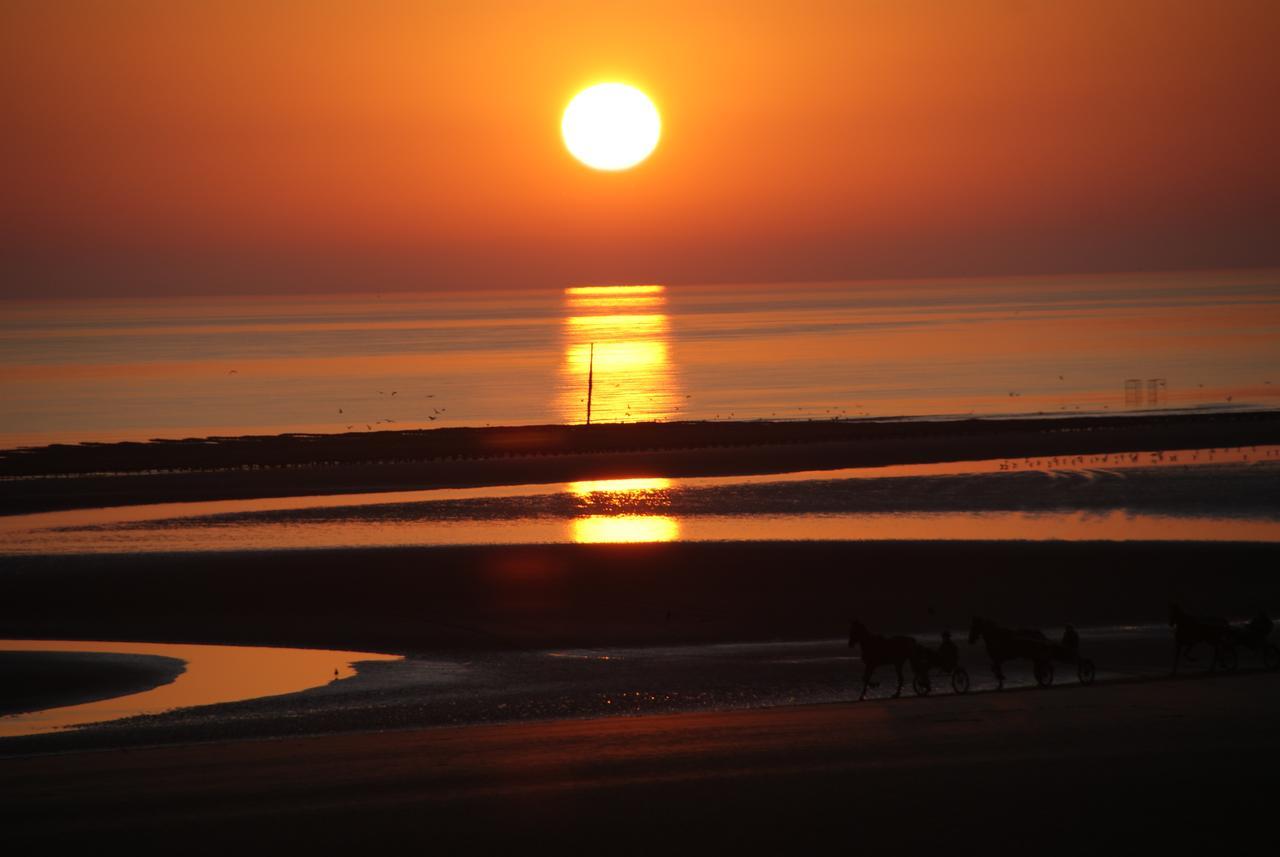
{"x": 692, "y": 694}
{"x": 1164, "y": 765}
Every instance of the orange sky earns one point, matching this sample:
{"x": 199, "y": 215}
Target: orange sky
{"x": 297, "y": 146}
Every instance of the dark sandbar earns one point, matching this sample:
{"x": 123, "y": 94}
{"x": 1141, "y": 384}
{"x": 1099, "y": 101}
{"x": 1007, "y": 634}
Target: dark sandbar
{"x": 33, "y": 681}
{"x": 86, "y": 475}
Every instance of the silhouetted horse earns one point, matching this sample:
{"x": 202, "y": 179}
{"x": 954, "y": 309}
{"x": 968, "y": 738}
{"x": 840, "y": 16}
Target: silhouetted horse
{"x": 1188, "y": 631}
{"x": 1255, "y": 636}
{"x": 1006, "y": 644}
{"x": 878, "y": 650}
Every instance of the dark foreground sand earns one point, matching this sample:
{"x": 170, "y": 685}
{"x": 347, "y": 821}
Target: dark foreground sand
{"x": 538, "y": 596}
{"x": 31, "y": 681}
{"x": 1173, "y": 766}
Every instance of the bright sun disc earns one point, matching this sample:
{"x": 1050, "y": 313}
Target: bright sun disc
{"x": 611, "y": 126}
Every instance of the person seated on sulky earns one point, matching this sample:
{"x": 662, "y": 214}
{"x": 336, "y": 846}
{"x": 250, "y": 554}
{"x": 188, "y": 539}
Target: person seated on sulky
{"x": 948, "y": 654}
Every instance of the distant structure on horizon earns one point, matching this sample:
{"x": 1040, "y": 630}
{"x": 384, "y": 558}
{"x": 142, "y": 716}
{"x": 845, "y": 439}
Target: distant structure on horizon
{"x": 1156, "y": 392}
{"x": 1133, "y": 392}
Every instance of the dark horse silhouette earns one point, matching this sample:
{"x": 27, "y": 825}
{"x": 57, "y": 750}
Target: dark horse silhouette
{"x": 1006, "y": 644}
{"x": 1188, "y": 631}
{"x": 878, "y": 650}
{"x": 1255, "y": 636}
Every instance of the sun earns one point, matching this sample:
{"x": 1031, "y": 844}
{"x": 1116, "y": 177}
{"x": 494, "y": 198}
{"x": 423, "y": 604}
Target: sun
{"x": 611, "y": 126}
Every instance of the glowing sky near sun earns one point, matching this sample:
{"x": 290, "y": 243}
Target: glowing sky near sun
{"x": 237, "y": 146}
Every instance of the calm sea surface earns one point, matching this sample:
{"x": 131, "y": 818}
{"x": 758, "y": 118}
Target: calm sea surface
{"x": 138, "y": 369}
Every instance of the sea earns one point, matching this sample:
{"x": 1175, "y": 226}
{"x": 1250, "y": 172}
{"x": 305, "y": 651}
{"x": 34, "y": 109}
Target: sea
{"x": 176, "y": 367}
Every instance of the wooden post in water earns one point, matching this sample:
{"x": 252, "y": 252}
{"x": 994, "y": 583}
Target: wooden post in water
{"x": 591, "y": 371}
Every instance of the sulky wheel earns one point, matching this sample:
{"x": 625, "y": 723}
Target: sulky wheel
{"x": 960, "y": 680}
{"x": 1044, "y": 673}
{"x": 1085, "y": 671}
{"x": 921, "y": 685}
{"x": 1271, "y": 656}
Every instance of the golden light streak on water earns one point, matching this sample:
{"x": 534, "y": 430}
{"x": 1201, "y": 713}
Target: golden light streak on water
{"x": 621, "y": 337}
{"x": 617, "y": 302}
{"x": 619, "y": 486}
{"x": 614, "y": 291}
{"x": 625, "y": 326}
{"x": 623, "y": 529}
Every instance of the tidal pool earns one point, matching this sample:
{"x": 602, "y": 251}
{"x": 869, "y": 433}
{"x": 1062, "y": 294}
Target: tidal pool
{"x": 214, "y": 674}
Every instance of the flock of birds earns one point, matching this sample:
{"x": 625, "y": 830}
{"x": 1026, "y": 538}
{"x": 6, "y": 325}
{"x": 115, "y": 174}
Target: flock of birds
{"x": 834, "y": 413}
{"x": 435, "y": 414}
{"x": 1124, "y": 459}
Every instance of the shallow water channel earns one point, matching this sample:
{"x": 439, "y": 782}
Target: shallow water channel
{"x": 1200, "y": 495}
{"x": 213, "y": 674}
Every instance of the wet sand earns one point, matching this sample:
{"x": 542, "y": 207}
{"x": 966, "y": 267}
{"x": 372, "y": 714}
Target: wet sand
{"x": 37, "y": 680}
{"x": 472, "y": 688}
{"x": 1179, "y": 765}
{"x": 513, "y": 597}
{"x": 301, "y": 465}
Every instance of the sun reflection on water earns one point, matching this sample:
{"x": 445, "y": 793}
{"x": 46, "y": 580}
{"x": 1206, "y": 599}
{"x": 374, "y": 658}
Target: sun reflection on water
{"x": 624, "y": 333}
{"x": 634, "y": 377}
{"x": 610, "y": 291}
{"x": 619, "y": 529}
{"x": 617, "y": 486}
{"x": 619, "y": 511}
